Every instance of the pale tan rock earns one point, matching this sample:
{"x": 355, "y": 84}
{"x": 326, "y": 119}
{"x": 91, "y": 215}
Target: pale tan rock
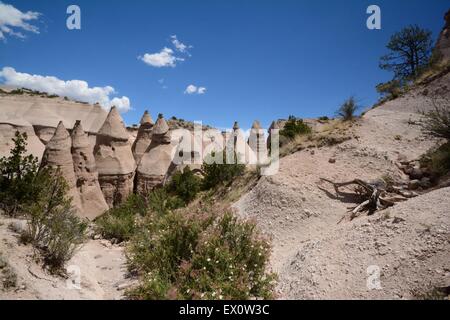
{"x": 7, "y": 134}
{"x": 86, "y": 173}
{"x": 114, "y": 159}
{"x": 236, "y": 142}
{"x": 257, "y": 142}
{"x": 143, "y": 138}
{"x": 156, "y": 164}
{"x": 274, "y": 126}
{"x": 443, "y": 43}
{"x": 57, "y": 155}
{"x": 188, "y": 149}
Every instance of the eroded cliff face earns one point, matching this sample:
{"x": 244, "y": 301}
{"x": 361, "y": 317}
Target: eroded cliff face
{"x": 86, "y": 174}
{"x": 114, "y": 159}
{"x": 443, "y": 43}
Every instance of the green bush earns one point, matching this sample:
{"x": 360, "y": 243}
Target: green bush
{"x": 436, "y": 122}
{"x": 182, "y": 256}
{"x": 324, "y": 118}
{"x": 348, "y": 109}
{"x": 437, "y": 162}
{"x": 120, "y": 222}
{"x": 294, "y": 127}
{"x": 185, "y": 185}
{"x": 52, "y": 225}
{"x": 17, "y": 177}
{"x": 216, "y": 174}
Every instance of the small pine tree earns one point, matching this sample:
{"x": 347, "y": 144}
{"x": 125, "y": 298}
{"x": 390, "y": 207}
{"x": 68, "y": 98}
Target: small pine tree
{"x": 17, "y": 174}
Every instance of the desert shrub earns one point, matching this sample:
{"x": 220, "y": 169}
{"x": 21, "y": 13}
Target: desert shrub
{"x": 53, "y": 226}
{"x": 437, "y": 162}
{"x": 324, "y": 118}
{"x": 348, "y": 109}
{"x": 17, "y": 177}
{"x": 432, "y": 293}
{"x": 390, "y": 90}
{"x": 216, "y": 174}
{"x": 185, "y": 185}
{"x": 436, "y": 122}
{"x": 189, "y": 257}
{"x": 8, "y": 278}
{"x": 120, "y": 222}
{"x": 294, "y": 127}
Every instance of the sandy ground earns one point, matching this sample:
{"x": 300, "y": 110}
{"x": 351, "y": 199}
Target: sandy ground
{"x": 97, "y": 271}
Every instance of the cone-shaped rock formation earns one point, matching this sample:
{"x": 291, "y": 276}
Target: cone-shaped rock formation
{"x": 57, "y": 155}
{"x": 156, "y": 164}
{"x": 114, "y": 159}
{"x": 91, "y": 195}
{"x": 143, "y": 138}
{"x": 257, "y": 142}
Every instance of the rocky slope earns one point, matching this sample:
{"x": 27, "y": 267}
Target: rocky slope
{"x": 318, "y": 258}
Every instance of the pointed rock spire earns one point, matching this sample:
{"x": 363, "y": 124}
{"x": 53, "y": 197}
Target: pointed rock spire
{"x": 114, "y": 159}
{"x": 86, "y": 174}
{"x": 156, "y": 163}
{"x": 146, "y": 118}
{"x": 161, "y": 127}
{"x": 160, "y": 133}
{"x": 114, "y": 127}
{"x": 256, "y": 125}
{"x": 143, "y": 138}
{"x": 257, "y": 142}
{"x": 57, "y": 155}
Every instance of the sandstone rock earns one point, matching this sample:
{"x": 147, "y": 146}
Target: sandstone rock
{"x": 257, "y": 142}
{"x": 86, "y": 173}
{"x": 143, "y": 138}
{"x": 273, "y": 128}
{"x": 238, "y": 143}
{"x": 114, "y": 159}
{"x": 188, "y": 150}
{"x": 7, "y": 133}
{"x": 443, "y": 43}
{"x": 156, "y": 163}
{"x": 57, "y": 155}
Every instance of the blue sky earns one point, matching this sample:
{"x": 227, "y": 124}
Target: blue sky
{"x": 257, "y": 59}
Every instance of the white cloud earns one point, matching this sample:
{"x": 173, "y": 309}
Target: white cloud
{"x": 201, "y": 90}
{"x": 75, "y": 89}
{"x": 192, "y": 89}
{"x": 164, "y": 58}
{"x": 179, "y": 46}
{"x": 12, "y": 20}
